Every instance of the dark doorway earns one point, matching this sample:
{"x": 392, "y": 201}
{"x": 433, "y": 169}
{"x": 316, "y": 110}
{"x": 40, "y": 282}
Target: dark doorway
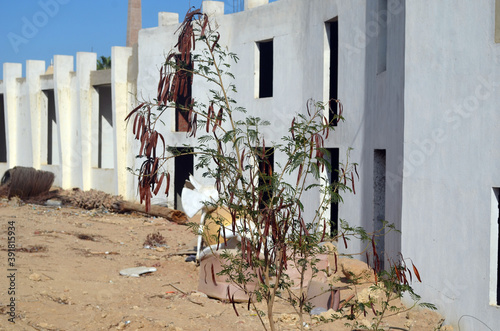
{"x": 183, "y": 167}
{"x": 379, "y": 169}
{"x": 52, "y": 141}
{"x": 496, "y": 192}
{"x": 334, "y": 178}
{"x": 105, "y": 157}
{"x": 266, "y": 170}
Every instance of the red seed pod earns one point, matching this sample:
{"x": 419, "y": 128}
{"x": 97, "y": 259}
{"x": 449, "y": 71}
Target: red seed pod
{"x": 336, "y": 264}
{"x": 168, "y": 184}
{"x": 352, "y": 180}
{"x": 159, "y": 184}
{"x": 416, "y": 272}
{"x": 134, "y": 110}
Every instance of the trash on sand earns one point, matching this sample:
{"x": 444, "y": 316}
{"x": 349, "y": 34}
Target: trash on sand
{"x": 137, "y": 271}
{"x": 191, "y": 258}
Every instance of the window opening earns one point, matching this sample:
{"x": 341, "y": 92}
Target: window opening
{"x": 265, "y": 68}
{"x": 185, "y": 97}
{"x": 382, "y": 36}
{"x": 332, "y": 30}
{"x": 3, "y": 132}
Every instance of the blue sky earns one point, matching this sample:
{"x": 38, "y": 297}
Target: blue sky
{"x": 39, "y": 29}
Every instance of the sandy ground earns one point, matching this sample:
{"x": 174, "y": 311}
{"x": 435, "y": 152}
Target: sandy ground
{"x": 67, "y": 277}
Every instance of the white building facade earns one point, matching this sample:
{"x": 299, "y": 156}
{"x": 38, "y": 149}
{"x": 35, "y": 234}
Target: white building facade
{"x": 420, "y": 85}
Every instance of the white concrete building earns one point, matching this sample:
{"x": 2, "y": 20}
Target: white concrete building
{"x": 420, "y": 84}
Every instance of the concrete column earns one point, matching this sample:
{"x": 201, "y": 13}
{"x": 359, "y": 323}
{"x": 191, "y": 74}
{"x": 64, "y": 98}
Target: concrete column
{"x": 134, "y": 21}
{"x": 123, "y": 94}
{"x": 11, "y": 71}
{"x": 85, "y": 63}
{"x": 165, "y": 18}
{"x": 213, "y": 8}
{"x": 67, "y": 128}
{"x": 33, "y": 71}
{"x": 249, "y": 4}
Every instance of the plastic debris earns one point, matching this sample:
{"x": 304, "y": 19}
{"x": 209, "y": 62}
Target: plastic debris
{"x": 137, "y": 271}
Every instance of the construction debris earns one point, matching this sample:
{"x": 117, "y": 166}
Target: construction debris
{"x": 91, "y": 199}
{"x": 172, "y": 215}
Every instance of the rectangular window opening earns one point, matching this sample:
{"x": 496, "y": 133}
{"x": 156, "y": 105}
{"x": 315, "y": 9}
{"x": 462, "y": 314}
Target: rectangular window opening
{"x": 105, "y": 156}
{"x": 183, "y": 167}
{"x": 184, "y": 100}
{"x": 3, "y": 132}
{"x": 495, "y": 246}
{"x": 334, "y": 178}
{"x": 379, "y": 171}
{"x": 332, "y": 31}
{"x": 265, "y": 70}
{"x": 52, "y": 139}
{"x": 382, "y": 36}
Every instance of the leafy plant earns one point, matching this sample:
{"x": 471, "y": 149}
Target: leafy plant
{"x": 265, "y": 203}
{"x": 104, "y": 62}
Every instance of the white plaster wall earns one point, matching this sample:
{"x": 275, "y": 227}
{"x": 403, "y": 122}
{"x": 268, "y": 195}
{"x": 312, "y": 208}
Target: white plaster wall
{"x": 33, "y": 71}
{"x": 298, "y": 32}
{"x": 67, "y": 115}
{"x": 85, "y": 63}
{"x": 123, "y": 76}
{"x": 452, "y": 82}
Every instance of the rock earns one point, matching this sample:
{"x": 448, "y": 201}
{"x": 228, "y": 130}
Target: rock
{"x": 137, "y": 271}
{"x": 330, "y": 314}
{"x": 35, "y": 277}
{"x": 288, "y": 318}
{"x": 368, "y": 293}
{"x": 318, "y": 310}
{"x": 356, "y": 271}
{"x": 53, "y": 203}
{"x": 199, "y": 294}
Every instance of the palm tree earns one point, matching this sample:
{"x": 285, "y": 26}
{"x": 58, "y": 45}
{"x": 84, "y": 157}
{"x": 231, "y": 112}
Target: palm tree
{"x": 104, "y": 63}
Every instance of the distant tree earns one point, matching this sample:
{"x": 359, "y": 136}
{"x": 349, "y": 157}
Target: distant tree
{"x": 104, "y": 63}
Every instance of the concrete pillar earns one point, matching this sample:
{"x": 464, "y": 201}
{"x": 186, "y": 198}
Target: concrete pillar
{"x": 123, "y": 94}
{"x": 213, "y": 8}
{"x": 134, "y": 21}
{"x": 85, "y": 63}
{"x": 67, "y": 122}
{"x": 249, "y": 4}
{"x": 33, "y": 71}
{"x": 11, "y": 71}
{"x": 165, "y": 18}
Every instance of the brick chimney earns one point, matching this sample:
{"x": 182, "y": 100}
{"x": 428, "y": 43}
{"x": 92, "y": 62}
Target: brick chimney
{"x": 134, "y": 22}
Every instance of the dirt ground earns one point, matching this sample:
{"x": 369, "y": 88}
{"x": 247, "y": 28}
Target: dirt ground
{"x": 67, "y": 277}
